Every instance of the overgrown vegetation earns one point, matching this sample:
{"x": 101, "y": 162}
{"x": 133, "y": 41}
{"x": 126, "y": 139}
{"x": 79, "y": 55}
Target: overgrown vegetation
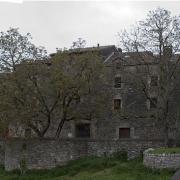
{"x": 94, "y": 168}
{"x": 166, "y": 150}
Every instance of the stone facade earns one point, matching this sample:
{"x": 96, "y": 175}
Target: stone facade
{"x": 135, "y": 114}
{"x": 160, "y": 161}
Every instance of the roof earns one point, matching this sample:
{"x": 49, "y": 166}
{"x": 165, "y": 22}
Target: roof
{"x": 139, "y": 58}
{"x": 104, "y": 50}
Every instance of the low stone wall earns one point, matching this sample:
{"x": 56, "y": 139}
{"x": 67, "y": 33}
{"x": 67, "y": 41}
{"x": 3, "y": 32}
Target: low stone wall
{"x": 41, "y": 154}
{"x": 134, "y": 147}
{"x": 49, "y": 153}
{"x": 2, "y": 152}
{"x": 160, "y": 161}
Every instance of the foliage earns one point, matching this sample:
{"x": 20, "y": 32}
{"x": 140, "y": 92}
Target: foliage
{"x": 23, "y": 166}
{"x": 16, "y": 48}
{"x": 80, "y": 78}
{"x": 66, "y": 87}
{"x": 121, "y": 155}
{"x": 80, "y": 43}
{"x": 23, "y": 94}
{"x": 165, "y": 150}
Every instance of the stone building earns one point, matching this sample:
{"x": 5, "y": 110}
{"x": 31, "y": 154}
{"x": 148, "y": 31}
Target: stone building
{"x": 132, "y": 112}
{"x": 134, "y": 82}
{"x": 130, "y": 124}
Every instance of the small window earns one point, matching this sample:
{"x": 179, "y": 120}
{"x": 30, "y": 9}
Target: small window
{"x": 83, "y": 130}
{"x": 153, "y": 103}
{"x": 124, "y": 132}
{"x": 27, "y": 133}
{"x": 6, "y": 133}
{"x": 154, "y": 80}
{"x": 117, "y": 82}
{"x": 118, "y": 65}
{"x": 117, "y": 104}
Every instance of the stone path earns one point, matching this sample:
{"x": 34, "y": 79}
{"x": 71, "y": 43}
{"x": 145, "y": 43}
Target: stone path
{"x": 176, "y": 176}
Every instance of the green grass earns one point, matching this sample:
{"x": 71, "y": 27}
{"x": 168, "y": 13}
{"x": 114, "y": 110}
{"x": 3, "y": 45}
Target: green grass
{"x": 166, "y": 150}
{"x": 93, "y": 168}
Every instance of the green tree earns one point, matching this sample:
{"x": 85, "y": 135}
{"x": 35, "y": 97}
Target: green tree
{"x": 16, "y": 48}
{"x": 70, "y": 86}
{"x": 82, "y": 83}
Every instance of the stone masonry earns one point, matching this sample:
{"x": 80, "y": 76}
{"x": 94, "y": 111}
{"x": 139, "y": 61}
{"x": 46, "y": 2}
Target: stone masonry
{"x": 160, "y": 161}
{"x": 49, "y": 153}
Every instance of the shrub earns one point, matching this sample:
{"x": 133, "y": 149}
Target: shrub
{"x": 120, "y": 155}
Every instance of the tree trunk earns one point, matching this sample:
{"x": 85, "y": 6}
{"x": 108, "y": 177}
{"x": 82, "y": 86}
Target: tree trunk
{"x": 60, "y": 126}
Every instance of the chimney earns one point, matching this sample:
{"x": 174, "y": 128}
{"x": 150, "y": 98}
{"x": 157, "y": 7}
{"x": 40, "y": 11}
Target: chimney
{"x": 98, "y": 45}
{"x": 167, "y": 51}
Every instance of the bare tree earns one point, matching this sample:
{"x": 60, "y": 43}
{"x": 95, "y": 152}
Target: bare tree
{"x": 159, "y": 33}
{"x": 80, "y": 43}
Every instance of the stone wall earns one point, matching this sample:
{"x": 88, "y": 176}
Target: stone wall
{"x": 49, "y": 153}
{"x": 133, "y": 147}
{"x": 159, "y": 161}
{"x": 1, "y": 152}
{"x": 42, "y": 154}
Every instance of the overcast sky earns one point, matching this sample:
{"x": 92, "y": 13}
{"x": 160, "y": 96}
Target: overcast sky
{"x": 58, "y": 24}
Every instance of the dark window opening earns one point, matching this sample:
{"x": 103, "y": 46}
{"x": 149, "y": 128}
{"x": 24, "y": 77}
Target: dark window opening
{"x": 83, "y": 130}
{"x": 117, "y": 82}
{"x": 6, "y": 133}
{"x": 118, "y": 65}
{"x": 27, "y": 133}
{"x": 154, "y": 80}
{"x": 117, "y": 104}
{"x": 124, "y": 132}
{"x": 153, "y": 103}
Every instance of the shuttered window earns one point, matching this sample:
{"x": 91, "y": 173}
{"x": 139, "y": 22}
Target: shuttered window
{"x": 124, "y": 132}
{"x": 117, "y": 104}
{"x": 117, "y": 82}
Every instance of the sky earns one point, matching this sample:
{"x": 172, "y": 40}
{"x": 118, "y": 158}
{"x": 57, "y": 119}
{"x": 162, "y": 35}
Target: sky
{"x": 56, "y": 24}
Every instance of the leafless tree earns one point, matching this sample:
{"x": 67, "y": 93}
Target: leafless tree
{"x": 159, "y": 33}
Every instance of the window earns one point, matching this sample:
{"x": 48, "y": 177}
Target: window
{"x": 124, "y": 132}
{"x": 83, "y": 130}
{"x": 117, "y": 82}
{"x": 118, "y": 65}
{"x": 153, "y": 103}
{"x": 6, "y": 133}
{"x": 117, "y": 104}
{"x": 154, "y": 80}
{"x": 27, "y": 133}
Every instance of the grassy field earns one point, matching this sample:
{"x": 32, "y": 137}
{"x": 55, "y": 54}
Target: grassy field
{"x": 93, "y": 168}
{"x": 166, "y": 150}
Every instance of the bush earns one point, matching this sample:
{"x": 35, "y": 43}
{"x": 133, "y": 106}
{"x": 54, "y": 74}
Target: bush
{"x": 120, "y": 155}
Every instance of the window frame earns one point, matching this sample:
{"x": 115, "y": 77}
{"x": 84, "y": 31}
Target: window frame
{"x": 119, "y": 107}
{"x": 125, "y": 136}
{"x": 78, "y": 133}
{"x": 117, "y": 82}
{"x": 154, "y": 82}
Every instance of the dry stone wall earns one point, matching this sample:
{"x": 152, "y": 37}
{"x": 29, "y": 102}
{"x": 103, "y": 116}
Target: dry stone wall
{"x": 160, "y": 161}
{"x": 2, "y": 152}
{"x": 49, "y": 153}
